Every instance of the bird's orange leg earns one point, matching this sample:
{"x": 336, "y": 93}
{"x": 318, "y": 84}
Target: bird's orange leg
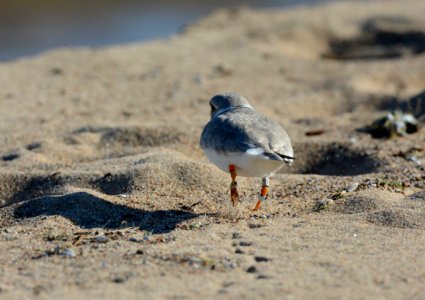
{"x": 233, "y": 186}
{"x": 263, "y": 194}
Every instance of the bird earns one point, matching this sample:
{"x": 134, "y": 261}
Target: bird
{"x": 243, "y": 142}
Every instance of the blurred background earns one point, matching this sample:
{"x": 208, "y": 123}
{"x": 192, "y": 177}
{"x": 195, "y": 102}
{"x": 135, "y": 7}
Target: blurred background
{"x": 30, "y": 27}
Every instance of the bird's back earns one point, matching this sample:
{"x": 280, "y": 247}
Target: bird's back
{"x": 242, "y": 129}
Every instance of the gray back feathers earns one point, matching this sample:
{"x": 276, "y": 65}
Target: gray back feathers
{"x": 240, "y": 128}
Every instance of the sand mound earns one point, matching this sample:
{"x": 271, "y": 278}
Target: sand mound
{"x": 171, "y": 174}
{"x": 398, "y": 218}
{"x": 153, "y": 136}
{"x": 360, "y": 204}
{"x": 89, "y": 211}
{"x": 385, "y": 208}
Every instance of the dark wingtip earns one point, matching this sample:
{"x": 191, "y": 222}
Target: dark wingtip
{"x": 278, "y": 156}
{"x": 286, "y": 156}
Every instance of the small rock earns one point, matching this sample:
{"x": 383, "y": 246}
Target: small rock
{"x": 239, "y": 251}
{"x": 195, "y": 225}
{"x": 251, "y": 269}
{"x": 353, "y": 140}
{"x": 352, "y": 187}
{"x": 119, "y": 279}
{"x": 198, "y": 79}
{"x": 56, "y": 71}
{"x": 182, "y": 226}
{"x": 68, "y": 252}
{"x": 325, "y": 204}
{"x": 222, "y": 70}
{"x": 236, "y": 235}
{"x": 415, "y": 160}
{"x": 229, "y": 264}
{"x": 245, "y": 244}
{"x": 254, "y": 226}
{"x": 10, "y": 157}
{"x": 102, "y": 239}
{"x": 193, "y": 260}
{"x": 33, "y": 146}
{"x": 261, "y": 259}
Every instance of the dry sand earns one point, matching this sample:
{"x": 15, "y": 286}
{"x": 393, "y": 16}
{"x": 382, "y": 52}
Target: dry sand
{"x": 106, "y": 193}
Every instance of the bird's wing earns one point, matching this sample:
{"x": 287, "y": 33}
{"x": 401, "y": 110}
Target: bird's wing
{"x": 246, "y": 130}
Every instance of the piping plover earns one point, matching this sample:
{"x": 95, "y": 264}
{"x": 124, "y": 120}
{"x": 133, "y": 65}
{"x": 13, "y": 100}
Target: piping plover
{"x": 244, "y": 142}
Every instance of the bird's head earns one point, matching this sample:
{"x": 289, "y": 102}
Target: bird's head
{"x": 227, "y": 101}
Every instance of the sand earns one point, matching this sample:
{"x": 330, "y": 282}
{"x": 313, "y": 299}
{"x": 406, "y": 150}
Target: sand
{"x": 105, "y": 192}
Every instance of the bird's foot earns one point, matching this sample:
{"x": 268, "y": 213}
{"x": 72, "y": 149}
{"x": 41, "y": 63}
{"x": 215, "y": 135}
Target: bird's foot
{"x": 234, "y": 196}
{"x": 261, "y": 197}
{"x": 233, "y": 186}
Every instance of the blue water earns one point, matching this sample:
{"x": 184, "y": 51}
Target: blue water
{"x": 31, "y": 27}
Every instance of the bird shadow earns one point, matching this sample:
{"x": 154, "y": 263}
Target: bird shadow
{"x": 88, "y": 211}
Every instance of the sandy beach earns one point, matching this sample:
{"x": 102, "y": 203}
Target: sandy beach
{"x": 105, "y": 192}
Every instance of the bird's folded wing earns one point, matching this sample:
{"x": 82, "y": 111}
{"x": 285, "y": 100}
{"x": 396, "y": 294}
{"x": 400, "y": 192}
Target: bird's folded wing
{"x": 245, "y": 133}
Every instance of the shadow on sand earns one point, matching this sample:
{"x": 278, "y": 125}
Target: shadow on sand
{"x": 88, "y": 211}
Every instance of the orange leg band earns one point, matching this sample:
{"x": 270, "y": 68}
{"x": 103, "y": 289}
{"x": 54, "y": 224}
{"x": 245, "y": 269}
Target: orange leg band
{"x": 263, "y": 193}
{"x": 233, "y": 186}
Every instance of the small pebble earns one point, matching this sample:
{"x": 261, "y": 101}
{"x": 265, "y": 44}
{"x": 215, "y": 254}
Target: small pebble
{"x": 254, "y": 226}
{"x": 245, "y": 244}
{"x": 252, "y": 269}
{"x": 352, "y": 187}
{"x": 68, "y": 252}
{"x": 33, "y": 146}
{"x": 195, "y": 225}
{"x": 198, "y": 79}
{"x": 236, "y": 235}
{"x": 10, "y": 157}
{"x": 119, "y": 279}
{"x": 56, "y": 71}
{"x": 415, "y": 160}
{"x": 229, "y": 264}
{"x": 239, "y": 251}
{"x": 325, "y": 203}
{"x": 261, "y": 259}
{"x": 102, "y": 239}
{"x": 194, "y": 260}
